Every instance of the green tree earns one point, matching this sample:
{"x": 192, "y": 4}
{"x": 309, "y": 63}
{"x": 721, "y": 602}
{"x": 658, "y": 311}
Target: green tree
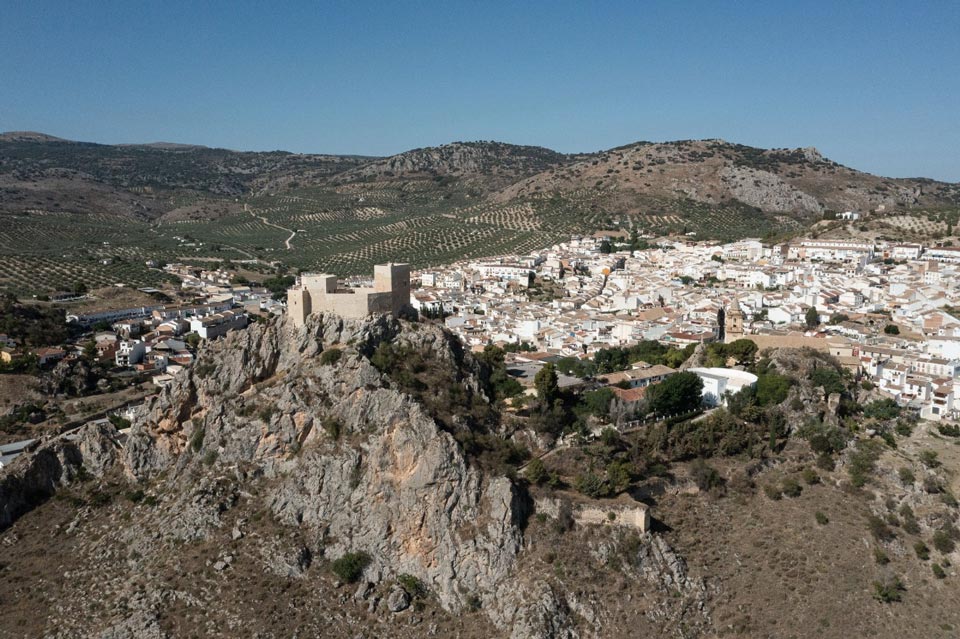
{"x": 90, "y": 350}
{"x": 772, "y": 388}
{"x": 812, "y": 317}
{"x": 891, "y": 329}
{"x": 679, "y": 393}
{"x": 546, "y": 384}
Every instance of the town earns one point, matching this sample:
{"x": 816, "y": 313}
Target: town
{"x": 886, "y": 311}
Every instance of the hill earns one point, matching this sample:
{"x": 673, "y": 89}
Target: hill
{"x": 108, "y": 209}
{"x": 360, "y": 478}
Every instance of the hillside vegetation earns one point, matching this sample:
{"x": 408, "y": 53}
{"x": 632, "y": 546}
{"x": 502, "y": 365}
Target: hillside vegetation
{"x": 80, "y": 203}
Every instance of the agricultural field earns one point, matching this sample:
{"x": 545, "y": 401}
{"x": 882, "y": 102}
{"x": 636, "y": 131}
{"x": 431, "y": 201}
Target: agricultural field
{"x": 344, "y": 229}
{"x": 42, "y": 253}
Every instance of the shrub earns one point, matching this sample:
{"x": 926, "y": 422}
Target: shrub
{"x": 810, "y": 476}
{"x": 825, "y": 462}
{"x": 911, "y": 525}
{"x": 922, "y": 551}
{"x": 822, "y": 519}
{"x": 350, "y": 567}
{"x": 196, "y": 439}
{"x": 943, "y": 542}
{"x": 414, "y": 587}
{"x": 882, "y": 409}
{"x": 791, "y": 488}
{"x": 938, "y": 571}
{"x": 332, "y": 427}
{"x": 705, "y": 476}
{"x": 330, "y": 356}
{"x": 880, "y": 557}
{"x": 929, "y": 458}
{"x": 888, "y": 590}
{"x": 773, "y": 492}
{"x": 828, "y": 379}
{"x": 879, "y": 528}
{"x": 536, "y": 472}
{"x": 906, "y": 475}
{"x": 591, "y": 485}
{"x": 903, "y": 428}
{"x": 949, "y": 430}
{"x": 862, "y": 462}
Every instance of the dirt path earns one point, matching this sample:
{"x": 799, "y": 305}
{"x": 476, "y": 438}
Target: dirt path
{"x": 263, "y": 219}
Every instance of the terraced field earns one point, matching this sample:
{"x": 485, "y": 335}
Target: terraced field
{"x": 343, "y": 229}
{"x": 47, "y": 252}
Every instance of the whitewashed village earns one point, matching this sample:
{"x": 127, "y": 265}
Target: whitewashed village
{"x": 887, "y": 312}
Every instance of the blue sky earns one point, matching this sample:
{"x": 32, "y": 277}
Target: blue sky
{"x": 875, "y": 85}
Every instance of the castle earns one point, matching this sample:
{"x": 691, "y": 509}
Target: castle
{"x": 320, "y": 293}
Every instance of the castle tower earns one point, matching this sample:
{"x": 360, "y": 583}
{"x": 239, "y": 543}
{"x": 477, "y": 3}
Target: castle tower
{"x": 733, "y": 323}
{"x": 394, "y": 279}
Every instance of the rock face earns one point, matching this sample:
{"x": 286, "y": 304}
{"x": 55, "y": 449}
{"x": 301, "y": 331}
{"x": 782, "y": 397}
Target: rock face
{"x": 766, "y": 191}
{"x": 356, "y": 464}
{"x": 35, "y": 476}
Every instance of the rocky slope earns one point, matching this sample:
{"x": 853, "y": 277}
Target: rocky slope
{"x": 492, "y": 164}
{"x": 292, "y": 449}
{"x": 716, "y": 172}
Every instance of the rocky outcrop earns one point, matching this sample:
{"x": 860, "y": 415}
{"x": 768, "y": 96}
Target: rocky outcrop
{"x": 36, "y": 475}
{"x": 355, "y": 463}
{"x": 766, "y": 191}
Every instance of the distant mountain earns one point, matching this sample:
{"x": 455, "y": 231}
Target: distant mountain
{"x": 39, "y": 171}
{"x": 714, "y": 172}
{"x": 491, "y": 162}
{"x": 28, "y": 136}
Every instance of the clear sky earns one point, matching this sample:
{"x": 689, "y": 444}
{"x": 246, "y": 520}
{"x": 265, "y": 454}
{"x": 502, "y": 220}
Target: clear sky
{"x": 874, "y": 85}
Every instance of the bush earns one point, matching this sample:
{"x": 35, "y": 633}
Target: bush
{"x": 882, "y": 409}
{"x": 828, "y": 379}
{"x": 938, "y": 571}
{"x": 822, "y": 519}
{"x": 880, "y": 557}
{"x": 536, "y": 472}
{"x": 949, "y": 430}
{"x": 879, "y": 528}
{"x": 943, "y": 542}
{"x": 414, "y": 587}
{"x": 922, "y": 551}
{"x": 350, "y": 567}
{"x": 791, "y": 488}
{"x": 773, "y": 492}
{"x": 330, "y": 356}
{"x": 903, "y": 428}
{"x": 810, "y": 476}
{"x": 929, "y": 458}
{"x": 591, "y": 485}
{"x": 888, "y": 590}
{"x": 825, "y": 462}
{"x": 705, "y": 476}
{"x": 862, "y": 462}
{"x": 332, "y": 427}
{"x": 906, "y": 475}
{"x": 911, "y": 525}
{"x": 196, "y": 439}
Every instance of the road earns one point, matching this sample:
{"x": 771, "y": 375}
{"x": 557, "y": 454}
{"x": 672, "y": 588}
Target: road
{"x": 263, "y": 219}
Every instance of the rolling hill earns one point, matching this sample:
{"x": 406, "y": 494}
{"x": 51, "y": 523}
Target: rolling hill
{"x": 61, "y": 201}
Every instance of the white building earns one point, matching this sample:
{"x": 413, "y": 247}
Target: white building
{"x": 718, "y": 382}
